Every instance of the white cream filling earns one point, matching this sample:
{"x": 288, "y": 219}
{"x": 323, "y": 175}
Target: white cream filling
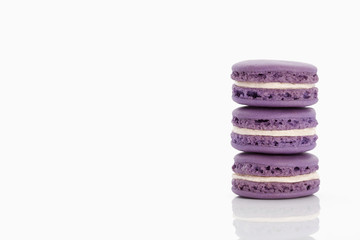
{"x": 280, "y": 219}
{"x": 274, "y": 85}
{"x": 291, "y": 179}
{"x": 275, "y": 133}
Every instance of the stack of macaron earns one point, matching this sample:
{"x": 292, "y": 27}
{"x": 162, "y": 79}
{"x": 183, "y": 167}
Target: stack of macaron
{"x": 275, "y": 128}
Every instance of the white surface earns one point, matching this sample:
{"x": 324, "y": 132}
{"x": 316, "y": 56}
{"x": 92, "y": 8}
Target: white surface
{"x": 89, "y": 91}
{"x": 280, "y": 220}
{"x": 292, "y": 179}
{"x": 275, "y": 133}
{"x": 274, "y": 85}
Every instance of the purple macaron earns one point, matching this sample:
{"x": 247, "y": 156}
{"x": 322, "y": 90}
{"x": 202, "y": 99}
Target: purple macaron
{"x": 273, "y": 83}
{"x": 274, "y": 130}
{"x": 275, "y": 176}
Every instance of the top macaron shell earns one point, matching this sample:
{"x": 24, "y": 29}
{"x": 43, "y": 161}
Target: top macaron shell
{"x": 274, "y": 65}
{"x": 273, "y": 83}
{"x": 262, "y": 118}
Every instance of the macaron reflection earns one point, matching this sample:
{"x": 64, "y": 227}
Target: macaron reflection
{"x": 276, "y": 219}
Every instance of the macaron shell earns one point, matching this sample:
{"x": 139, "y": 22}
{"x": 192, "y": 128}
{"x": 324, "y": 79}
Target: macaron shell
{"x": 274, "y": 71}
{"x": 265, "y": 65}
{"x": 273, "y": 145}
{"x": 268, "y": 170}
{"x": 275, "y": 97}
{"x": 268, "y": 122}
{"x": 274, "y": 190}
{"x": 266, "y": 165}
{"x": 269, "y": 150}
{"x": 298, "y": 160}
{"x": 273, "y": 113}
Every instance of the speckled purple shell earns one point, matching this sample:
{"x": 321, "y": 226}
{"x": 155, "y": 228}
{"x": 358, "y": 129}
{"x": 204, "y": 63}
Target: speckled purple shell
{"x": 274, "y": 118}
{"x": 274, "y": 190}
{"x": 274, "y": 71}
{"x": 273, "y": 145}
{"x": 275, "y": 97}
{"x": 275, "y": 165}
{"x": 260, "y": 118}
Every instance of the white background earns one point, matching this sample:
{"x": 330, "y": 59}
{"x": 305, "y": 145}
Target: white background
{"x": 116, "y": 115}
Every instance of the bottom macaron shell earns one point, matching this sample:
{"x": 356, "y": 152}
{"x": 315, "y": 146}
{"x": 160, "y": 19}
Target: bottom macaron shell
{"x": 274, "y": 190}
{"x": 273, "y": 145}
{"x": 265, "y": 170}
{"x": 274, "y": 97}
